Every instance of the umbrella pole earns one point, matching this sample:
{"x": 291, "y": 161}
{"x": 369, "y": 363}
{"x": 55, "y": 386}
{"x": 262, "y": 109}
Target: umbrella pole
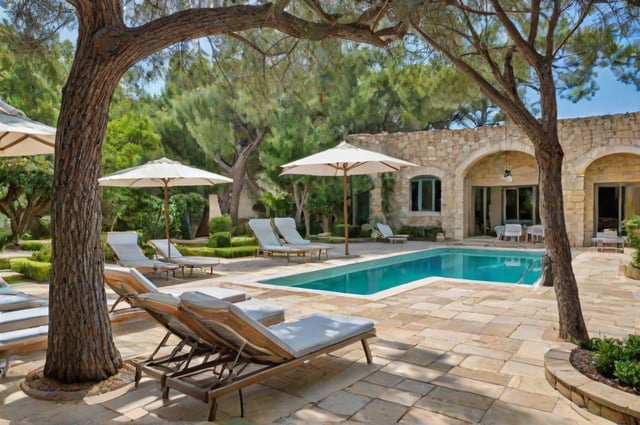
{"x": 166, "y": 217}
{"x": 345, "y": 212}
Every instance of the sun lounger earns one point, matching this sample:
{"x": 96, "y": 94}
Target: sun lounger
{"x": 271, "y": 244}
{"x": 21, "y": 341}
{"x": 125, "y": 246}
{"x": 190, "y": 349}
{"x": 126, "y": 281}
{"x": 255, "y": 352}
{"x": 171, "y": 254}
{"x": 287, "y": 228}
{"x": 13, "y": 300}
{"x": 22, "y": 331}
{"x": 389, "y": 236}
{"x": 25, "y": 318}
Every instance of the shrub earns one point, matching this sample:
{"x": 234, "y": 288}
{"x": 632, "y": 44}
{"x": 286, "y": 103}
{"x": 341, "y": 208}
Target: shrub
{"x": 628, "y": 372}
{"x": 5, "y": 263}
{"x": 35, "y": 270}
{"x": 231, "y": 252}
{"x": 220, "y": 224}
{"x": 31, "y": 245}
{"x": 43, "y": 254}
{"x": 338, "y": 230}
{"x": 632, "y": 228}
{"x": 607, "y": 351}
{"x": 244, "y": 241}
{"x": 220, "y": 240}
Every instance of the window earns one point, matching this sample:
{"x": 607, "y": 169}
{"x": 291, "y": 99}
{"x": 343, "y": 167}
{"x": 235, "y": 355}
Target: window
{"x": 425, "y": 194}
{"x": 521, "y": 205}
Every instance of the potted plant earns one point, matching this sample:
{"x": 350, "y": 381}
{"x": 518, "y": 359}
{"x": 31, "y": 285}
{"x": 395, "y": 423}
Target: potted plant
{"x": 632, "y": 228}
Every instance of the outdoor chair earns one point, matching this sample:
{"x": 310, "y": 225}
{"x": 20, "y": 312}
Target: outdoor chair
{"x": 126, "y": 281}
{"x": 21, "y": 341}
{"x": 190, "y": 349}
{"x": 23, "y": 326}
{"x": 609, "y": 240}
{"x": 535, "y": 233}
{"x": 171, "y": 254}
{"x": 271, "y": 244}
{"x": 512, "y": 231}
{"x": 13, "y": 300}
{"x": 286, "y": 226}
{"x": 125, "y": 246}
{"x": 389, "y": 236}
{"x": 253, "y": 352}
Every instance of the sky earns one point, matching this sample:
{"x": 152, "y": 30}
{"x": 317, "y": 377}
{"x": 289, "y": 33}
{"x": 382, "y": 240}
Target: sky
{"x": 612, "y": 98}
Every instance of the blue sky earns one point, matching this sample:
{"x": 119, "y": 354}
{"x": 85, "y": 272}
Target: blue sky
{"x": 612, "y": 98}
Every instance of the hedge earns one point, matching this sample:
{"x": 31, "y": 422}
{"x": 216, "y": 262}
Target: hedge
{"x": 35, "y": 270}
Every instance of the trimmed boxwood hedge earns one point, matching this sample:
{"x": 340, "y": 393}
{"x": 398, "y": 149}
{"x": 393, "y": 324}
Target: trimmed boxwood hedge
{"x": 30, "y": 269}
{"x": 229, "y": 252}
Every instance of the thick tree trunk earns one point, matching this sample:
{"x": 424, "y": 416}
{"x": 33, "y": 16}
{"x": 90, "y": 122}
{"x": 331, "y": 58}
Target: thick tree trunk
{"x": 81, "y": 346}
{"x": 571, "y": 321}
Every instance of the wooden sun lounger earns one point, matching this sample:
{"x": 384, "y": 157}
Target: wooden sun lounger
{"x": 253, "y": 352}
{"x": 163, "y": 308}
{"x": 171, "y": 254}
{"x": 125, "y": 246}
{"x": 127, "y": 281}
{"x": 287, "y": 228}
{"x": 270, "y": 243}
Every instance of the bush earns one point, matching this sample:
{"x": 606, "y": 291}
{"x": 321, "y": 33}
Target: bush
{"x": 244, "y": 241}
{"x": 232, "y": 252}
{"x": 5, "y": 263}
{"x": 617, "y": 358}
{"x": 35, "y": 270}
{"x": 220, "y": 240}
{"x": 338, "y": 230}
{"x": 632, "y": 228}
{"x": 31, "y": 246}
{"x": 220, "y": 224}
{"x": 43, "y": 254}
{"x": 425, "y": 233}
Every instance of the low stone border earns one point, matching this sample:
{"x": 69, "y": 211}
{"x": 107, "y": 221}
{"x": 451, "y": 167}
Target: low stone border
{"x": 600, "y": 399}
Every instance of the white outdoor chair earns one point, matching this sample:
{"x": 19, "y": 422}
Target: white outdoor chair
{"x": 512, "y": 231}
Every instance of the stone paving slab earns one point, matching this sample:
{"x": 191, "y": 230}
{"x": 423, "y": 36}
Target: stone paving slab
{"x": 446, "y": 353}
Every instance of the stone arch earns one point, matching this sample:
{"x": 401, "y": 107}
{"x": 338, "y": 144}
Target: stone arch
{"x": 491, "y": 149}
{"x": 599, "y": 152}
{"x": 472, "y": 158}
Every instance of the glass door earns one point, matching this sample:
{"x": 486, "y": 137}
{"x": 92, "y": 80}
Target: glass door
{"x": 482, "y": 204}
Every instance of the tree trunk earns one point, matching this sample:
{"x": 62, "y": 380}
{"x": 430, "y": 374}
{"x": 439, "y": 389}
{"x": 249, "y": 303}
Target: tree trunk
{"x": 81, "y": 346}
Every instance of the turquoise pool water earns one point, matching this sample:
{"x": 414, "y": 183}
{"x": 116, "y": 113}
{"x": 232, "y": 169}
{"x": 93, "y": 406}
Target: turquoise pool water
{"x": 370, "y": 277}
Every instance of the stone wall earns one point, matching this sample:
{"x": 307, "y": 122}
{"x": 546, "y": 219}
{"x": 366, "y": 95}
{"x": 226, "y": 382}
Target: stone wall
{"x": 597, "y": 150}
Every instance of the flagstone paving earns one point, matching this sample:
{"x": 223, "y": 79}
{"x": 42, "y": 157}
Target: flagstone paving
{"x": 446, "y": 353}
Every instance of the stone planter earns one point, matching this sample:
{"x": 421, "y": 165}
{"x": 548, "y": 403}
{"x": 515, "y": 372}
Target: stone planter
{"x": 600, "y": 399}
{"x": 631, "y": 272}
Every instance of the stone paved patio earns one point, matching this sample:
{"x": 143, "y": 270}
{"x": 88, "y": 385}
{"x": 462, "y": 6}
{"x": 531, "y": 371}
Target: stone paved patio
{"x": 446, "y": 353}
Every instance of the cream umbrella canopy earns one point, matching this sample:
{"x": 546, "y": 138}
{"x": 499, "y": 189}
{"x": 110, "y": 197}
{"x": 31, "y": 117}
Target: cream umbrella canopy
{"x": 21, "y": 136}
{"x": 345, "y": 160}
{"x": 163, "y": 173}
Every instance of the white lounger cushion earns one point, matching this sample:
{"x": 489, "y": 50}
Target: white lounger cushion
{"x": 13, "y": 337}
{"x": 262, "y": 311}
{"x": 298, "y": 338}
{"x": 17, "y": 301}
{"x": 25, "y": 318}
{"x": 311, "y": 333}
{"x": 231, "y": 295}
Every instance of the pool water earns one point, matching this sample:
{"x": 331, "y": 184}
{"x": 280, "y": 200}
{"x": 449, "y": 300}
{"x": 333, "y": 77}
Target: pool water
{"x": 370, "y": 277}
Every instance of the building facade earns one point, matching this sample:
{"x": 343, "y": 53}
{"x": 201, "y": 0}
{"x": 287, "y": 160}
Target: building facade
{"x": 469, "y": 181}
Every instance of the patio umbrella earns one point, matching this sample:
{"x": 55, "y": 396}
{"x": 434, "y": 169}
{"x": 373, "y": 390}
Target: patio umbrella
{"x": 163, "y": 173}
{"x": 345, "y": 160}
{"x": 21, "y": 136}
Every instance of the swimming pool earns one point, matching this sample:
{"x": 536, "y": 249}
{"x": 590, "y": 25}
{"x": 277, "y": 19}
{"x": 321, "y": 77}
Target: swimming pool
{"x": 371, "y": 277}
